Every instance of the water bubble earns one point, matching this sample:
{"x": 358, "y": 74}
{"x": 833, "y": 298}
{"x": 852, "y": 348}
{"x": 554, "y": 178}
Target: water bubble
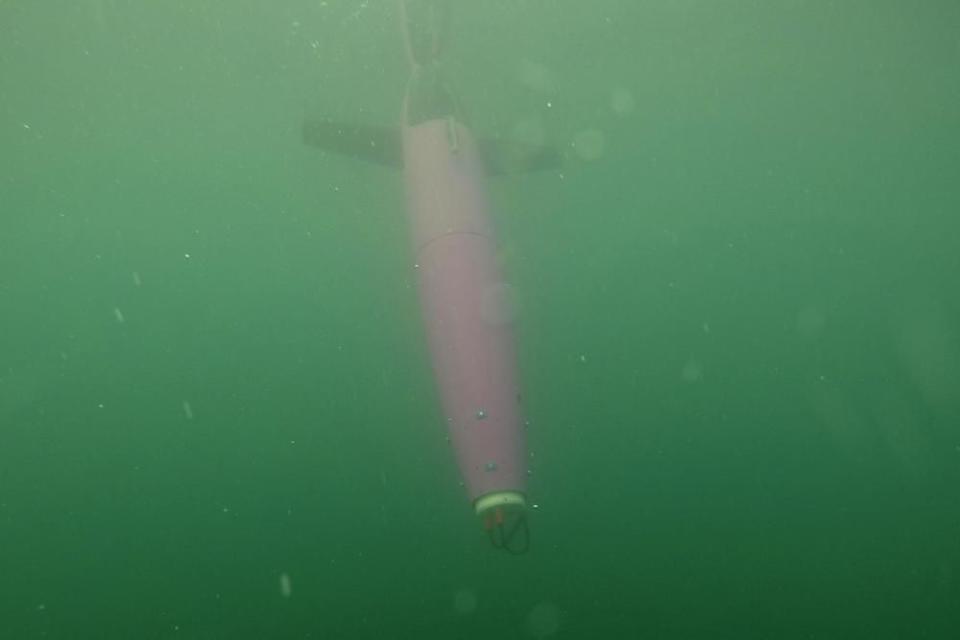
{"x": 529, "y": 131}
{"x": 536, "y": 76}
{"x": 590, "y": 144}
{"x": 810, "y": 322}
{"x": 622, "y": 101}
{"x": 692, "y": 371}
{"x": 465, "y": 601}
{"x": 543, "y": 620}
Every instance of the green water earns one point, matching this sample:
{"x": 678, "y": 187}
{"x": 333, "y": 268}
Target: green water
{"x": 739, "y": 324}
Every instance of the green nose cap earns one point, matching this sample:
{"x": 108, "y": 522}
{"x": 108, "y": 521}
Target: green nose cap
{"x": 510, "y": 499}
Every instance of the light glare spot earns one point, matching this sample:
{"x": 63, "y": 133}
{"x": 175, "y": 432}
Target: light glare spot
{"x": 498, "y": 305}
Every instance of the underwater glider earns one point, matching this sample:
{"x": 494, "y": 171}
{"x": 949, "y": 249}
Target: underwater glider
{"x": 463, "y": 293}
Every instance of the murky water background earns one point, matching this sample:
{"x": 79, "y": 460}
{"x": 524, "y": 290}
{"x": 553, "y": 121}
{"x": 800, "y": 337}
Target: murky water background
{"x": 737, "y": 307}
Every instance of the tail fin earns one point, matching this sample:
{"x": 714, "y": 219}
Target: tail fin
{"x": 382, "y": 146}
{"x": 379, "y": 145}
